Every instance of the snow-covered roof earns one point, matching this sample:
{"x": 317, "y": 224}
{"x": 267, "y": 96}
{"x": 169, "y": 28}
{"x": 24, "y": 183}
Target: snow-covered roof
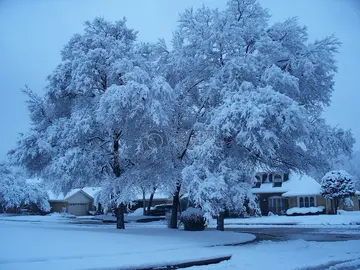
{"x": 296, "y": 185}
{"x": 61, "y": 196}
{"x": 92, "y": 192}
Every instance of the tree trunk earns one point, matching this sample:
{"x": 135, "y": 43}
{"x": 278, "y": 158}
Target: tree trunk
{"x": 175, "y": 207}
{"x": 220, "y": 222}
{"x": 336, "y": 205}
{"x": 150, "y": 202}
{"x": 120, "y": 219}
{"x": 144, "y": 202}
{"x": 120, "y": 210}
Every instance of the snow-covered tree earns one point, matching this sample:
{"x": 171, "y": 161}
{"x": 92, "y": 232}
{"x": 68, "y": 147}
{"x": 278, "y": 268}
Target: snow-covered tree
{"x": 102, "y": 101}
{"x": 17, "y": 192}
{"x": 351, "y": 165}
{"x": 337, "y": 185}
{"x": 265, "y": 88}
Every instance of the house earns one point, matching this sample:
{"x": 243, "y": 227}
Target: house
{"x": 76, "y": 202}
{"x": 80, "y": 201}
{"x": 278, "y": 192}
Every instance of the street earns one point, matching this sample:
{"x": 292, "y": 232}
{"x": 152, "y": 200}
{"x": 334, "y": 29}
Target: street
{"x": 307, "y": 234}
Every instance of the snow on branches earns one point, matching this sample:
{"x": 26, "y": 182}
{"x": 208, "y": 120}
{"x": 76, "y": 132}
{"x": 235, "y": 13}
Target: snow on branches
{"x": 17, "y": 192}
{"x": 233, "y": 94}
{"x": 337, "y": 185}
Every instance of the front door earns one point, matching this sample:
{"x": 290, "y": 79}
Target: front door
{"x": 264, "y": 206}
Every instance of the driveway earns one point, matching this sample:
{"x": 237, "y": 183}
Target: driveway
{"x": 307, "y": 234}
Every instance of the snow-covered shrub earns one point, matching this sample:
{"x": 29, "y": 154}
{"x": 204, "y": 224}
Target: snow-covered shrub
{"x": 193, "y": 219}
{"x": 137, "y": 212}
{"x": 305, "y": 210}
{"x": 337, "y": 185}
{"x": 348, "y": 202}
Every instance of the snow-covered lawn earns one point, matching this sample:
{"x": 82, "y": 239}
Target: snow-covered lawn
{"x": 345, "y": 218}
{"x": 51, "y": 245}
{"x": 290, "y": 255}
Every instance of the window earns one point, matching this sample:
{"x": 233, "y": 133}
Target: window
{"x": 277, "y": 180}
{"x": 258, "y": 182}
{"x": 264, "y": 178}
{"x": 301, "y": 202}
{"x": 278, "y": 205}
{"x": 312, "y": 202}
{"x": 257, "y": 185}
{"x": 306, "y": 201}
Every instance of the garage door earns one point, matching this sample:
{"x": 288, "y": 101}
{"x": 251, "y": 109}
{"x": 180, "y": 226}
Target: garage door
{"x": 78, "y": 209}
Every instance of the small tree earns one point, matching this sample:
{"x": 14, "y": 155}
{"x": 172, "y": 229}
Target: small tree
{"x": 337, "y": 185}
{"x": 16, "y": 192}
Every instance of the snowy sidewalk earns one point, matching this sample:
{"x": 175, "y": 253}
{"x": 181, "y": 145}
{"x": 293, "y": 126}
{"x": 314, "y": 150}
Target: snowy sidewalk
{"x": 50, "y": 246}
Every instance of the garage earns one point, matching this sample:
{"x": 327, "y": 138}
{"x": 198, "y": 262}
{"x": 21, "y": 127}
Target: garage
{"x": 78, "y": 209}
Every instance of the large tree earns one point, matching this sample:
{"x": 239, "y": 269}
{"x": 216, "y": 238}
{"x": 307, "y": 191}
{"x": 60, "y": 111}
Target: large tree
{"x": 102, "y": 101}
{"x": 265, "y": 88}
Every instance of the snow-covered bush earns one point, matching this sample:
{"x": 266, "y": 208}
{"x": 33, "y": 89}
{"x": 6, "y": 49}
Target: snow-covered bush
{"x": 305, "y": 210}
{"x": 271, "y": 214}
{"x": 137, "y": 212}
{"x": 193, "y": 219}
{"x": 337, "y": 185}
{"x": 348, "y": 202}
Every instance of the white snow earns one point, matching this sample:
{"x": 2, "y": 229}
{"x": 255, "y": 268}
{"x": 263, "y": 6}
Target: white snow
{"x": 61, "y": 196}
{"x": 49, "y": 246}
{"x": 350, "y": 218}
{"x": 290, "y": 255}
{"x": 305, "y": 210}
{"x": 137, "y": 212}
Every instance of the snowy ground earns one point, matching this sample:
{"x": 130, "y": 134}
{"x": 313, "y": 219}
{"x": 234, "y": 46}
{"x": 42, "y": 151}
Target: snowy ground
{"x": 290, "y": 255}
{"x": 344, "y": 219}
{"x": 55, "y": 245}
{"x": 51, "y": 242}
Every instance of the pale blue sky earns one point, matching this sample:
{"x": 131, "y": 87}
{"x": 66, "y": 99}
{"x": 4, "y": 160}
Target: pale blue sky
{"x": 32, "y": 34}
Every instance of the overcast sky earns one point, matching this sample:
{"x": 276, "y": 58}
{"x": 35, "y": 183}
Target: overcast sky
{"x": 32, "y": 33}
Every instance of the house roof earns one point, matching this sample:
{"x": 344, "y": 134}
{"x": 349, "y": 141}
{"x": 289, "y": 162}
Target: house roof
{"x": 88, "y": 191}
{"x": 61, "y": 196}
{"x": 296, "y": 185}
{"x": 93, "y": 191}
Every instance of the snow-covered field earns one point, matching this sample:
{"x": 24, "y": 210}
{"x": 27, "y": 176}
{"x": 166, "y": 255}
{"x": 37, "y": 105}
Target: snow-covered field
{"x": 345, "y": 218}
{"x": 53, "y": 245}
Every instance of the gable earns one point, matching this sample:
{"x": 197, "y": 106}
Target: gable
{"x": 79, "y": 197}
